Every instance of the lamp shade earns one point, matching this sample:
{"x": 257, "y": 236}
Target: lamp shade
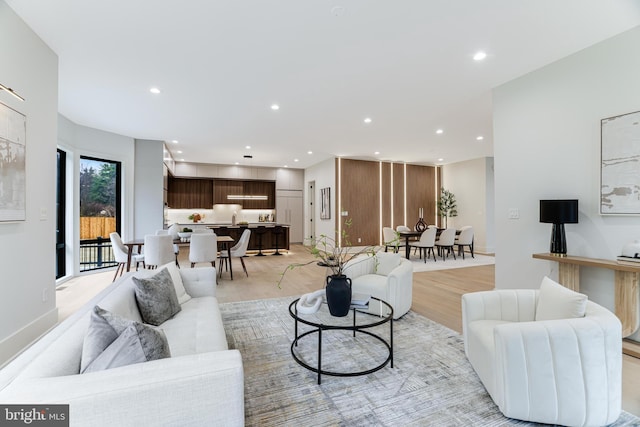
{"x": 559, "y": 211}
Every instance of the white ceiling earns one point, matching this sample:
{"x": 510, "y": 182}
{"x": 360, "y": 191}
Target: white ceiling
{"x": 220, "y": 65}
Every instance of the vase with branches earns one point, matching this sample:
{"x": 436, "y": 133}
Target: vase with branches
{"x": 328, "y": 252}
{"x": 447, "y": 205}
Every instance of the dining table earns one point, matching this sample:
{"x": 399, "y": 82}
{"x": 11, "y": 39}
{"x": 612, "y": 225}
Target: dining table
{"x": 139, "y": 243}
{"x": 407, "y": 236}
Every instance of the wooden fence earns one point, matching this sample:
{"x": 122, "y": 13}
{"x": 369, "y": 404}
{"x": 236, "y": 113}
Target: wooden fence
{"x": 93, "y": 226}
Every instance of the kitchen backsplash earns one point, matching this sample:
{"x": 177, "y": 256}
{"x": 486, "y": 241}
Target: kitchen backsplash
{"x": 220, "y": 214}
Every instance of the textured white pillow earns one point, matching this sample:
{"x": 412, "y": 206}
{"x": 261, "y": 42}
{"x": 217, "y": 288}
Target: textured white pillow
{"x": 557, "y": 302}
{"x": 386, "y": 262}
{"x": 181, "y": 292}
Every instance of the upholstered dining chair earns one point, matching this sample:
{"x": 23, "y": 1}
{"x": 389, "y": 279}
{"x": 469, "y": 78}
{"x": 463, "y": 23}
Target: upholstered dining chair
{"x": 445, "y": 242}
{"x": 402, "y": 228}
{"x": 426, "y": 243}
{"x": 203, "y": 247}
{"x": 173, "y": 232}
{"x": 158, "y": 250}
{"x": 465, "y": 238}
{"x": 239, "y": 250}
{"x": 390, "y": 239}
{"x": 121, "y": 254}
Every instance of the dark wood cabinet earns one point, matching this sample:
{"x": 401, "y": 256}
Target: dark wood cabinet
{"x": 259, "y": 189}
{"x": 191, "y": 193}
{"x": 186, "y": 193}
{"x": 223, "y": 188}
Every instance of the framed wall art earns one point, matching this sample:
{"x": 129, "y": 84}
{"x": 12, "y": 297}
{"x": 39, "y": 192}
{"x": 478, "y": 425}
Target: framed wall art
{"x": 325, "y": 203}
{"x": 13, "y": 129}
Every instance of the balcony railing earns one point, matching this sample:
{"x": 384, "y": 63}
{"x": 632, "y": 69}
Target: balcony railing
{"x": 96, "y": 254}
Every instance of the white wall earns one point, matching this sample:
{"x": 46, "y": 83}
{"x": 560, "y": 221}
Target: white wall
{"x": 324, "y": 175}
{"x": 27, "y": 248}
{"x": 80, "y": 141}
{"x": 547, "y": 145}
{"x": 148, "y": 180}
{"x": 472, "y": 184}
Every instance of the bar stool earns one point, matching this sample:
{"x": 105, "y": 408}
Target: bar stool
{"x": 260, "y": 230}
{"x": 277, "y": 232}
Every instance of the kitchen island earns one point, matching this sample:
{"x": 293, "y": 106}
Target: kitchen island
{"x": 264, "y": 229}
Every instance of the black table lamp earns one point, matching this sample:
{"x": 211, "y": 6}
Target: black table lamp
{"x": 559, "y": 213}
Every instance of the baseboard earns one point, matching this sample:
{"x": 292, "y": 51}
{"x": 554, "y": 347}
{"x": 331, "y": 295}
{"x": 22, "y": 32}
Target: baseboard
{"x": 16, "y": 343}
{"x": 631, "y": 348}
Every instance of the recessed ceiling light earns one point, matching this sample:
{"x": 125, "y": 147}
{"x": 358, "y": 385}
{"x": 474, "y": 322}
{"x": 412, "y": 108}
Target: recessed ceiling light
{"x": 479, "y": 56}
{"x": 441, "y": 160}
{"x": 480, "y": 138}
{"x": 376, "y": 152}
{"x": 154, "y": 90}
{"x": 275, "y": 107}
{"x": 237, "y": 163}
{"x": 296, "y": 160}
{"x": 367, "y": 120}
{"x": 182, "y": 160}
{"x": 248, "y": 147}
{"x": 175, "y": 141}
{"x": 439, "y": 131}
{"x": 286, "y": 166}
{"x": 309, "y": 152}
{"x": 179, "y": 151}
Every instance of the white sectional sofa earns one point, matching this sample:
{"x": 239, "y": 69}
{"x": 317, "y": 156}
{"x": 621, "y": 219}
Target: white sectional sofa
{"x": 202, "y": 383}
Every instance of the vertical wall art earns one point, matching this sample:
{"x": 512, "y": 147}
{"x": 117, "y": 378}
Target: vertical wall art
{"x": 325, "y": 203}
{"x": 13, "y": 129}
{"x": 619, "y": 177}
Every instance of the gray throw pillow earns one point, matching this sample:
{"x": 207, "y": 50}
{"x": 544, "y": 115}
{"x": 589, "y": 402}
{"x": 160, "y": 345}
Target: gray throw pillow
{"x": 156, "y": 298}
{"x": 109, "y": 334}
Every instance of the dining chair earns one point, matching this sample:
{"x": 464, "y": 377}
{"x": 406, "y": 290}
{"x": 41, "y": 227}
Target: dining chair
{"x": 239, "y": 250}
{"x": 465, "y": 238}
{"x": 173, "y": 232}
{"x": 426, "y": 243}
{"x": 402, "y": 228}
{"x": 158, "y": 250}
{"x": 390, "y": 239}
{"x": 203, "y": 247}
{"x": 121, "y": 254}
{"x": 445, "y": 241}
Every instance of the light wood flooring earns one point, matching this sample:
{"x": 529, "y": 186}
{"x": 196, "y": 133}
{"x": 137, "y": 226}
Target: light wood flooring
{"x": 436, "y": 295}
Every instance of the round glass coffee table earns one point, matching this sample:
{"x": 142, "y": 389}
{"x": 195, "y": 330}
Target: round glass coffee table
{"x": 358, "y": 322}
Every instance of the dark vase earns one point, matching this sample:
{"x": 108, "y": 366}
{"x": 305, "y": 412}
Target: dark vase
{"x": 338, "y": 295}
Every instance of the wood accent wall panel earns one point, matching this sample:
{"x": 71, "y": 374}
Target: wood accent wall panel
{"x": 398, "y": 195}
{"x": 190, "y": 193}
{"x": 360, "y": 196}
{"x": 387, "y": 205}
{"x": 421, "y": 193}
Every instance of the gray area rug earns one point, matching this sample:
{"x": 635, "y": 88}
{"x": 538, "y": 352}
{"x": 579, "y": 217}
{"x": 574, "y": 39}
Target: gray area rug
{"x": 431, "y": 383}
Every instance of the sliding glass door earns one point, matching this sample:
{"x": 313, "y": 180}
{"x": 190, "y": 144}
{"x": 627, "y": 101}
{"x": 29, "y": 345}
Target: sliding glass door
{"x": 99, "y": 211}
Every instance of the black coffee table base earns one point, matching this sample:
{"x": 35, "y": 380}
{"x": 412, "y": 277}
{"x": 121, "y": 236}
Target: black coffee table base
{"x": 320, "y": 327}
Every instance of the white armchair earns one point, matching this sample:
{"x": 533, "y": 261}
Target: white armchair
{"x": 561, "y": 371}
{"x": 387, "y": 276}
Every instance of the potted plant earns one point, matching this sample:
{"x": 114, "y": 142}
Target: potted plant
{"x": 329, "y": 253}
{"x": 447, "y": 206}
